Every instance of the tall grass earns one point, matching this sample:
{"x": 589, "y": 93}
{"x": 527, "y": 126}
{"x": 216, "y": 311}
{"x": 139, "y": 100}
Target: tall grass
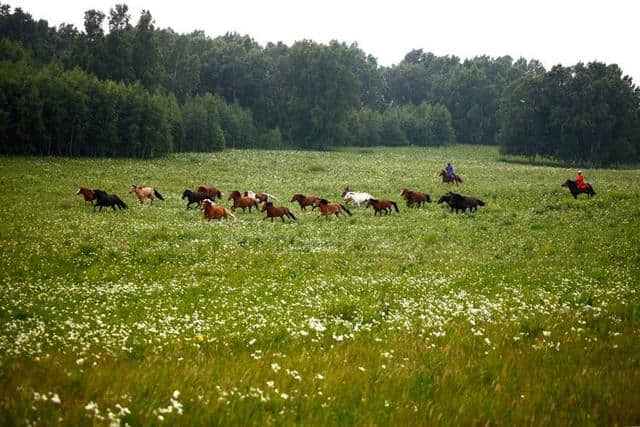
{"x": 525, "y": 312}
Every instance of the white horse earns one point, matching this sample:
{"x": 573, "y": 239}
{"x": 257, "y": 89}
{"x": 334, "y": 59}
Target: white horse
{"x": 260, "y": 197}
{"x": 357, "y": 197}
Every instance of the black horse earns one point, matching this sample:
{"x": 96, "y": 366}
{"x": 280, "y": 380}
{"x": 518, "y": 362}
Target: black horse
{"x": 104, "y": 199}
{"x": 575, "y": 190}
{"x": 193, "y": 197}
{"x": 459, "y": 202}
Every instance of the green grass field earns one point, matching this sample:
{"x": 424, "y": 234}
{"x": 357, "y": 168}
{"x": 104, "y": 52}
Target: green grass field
{"x": 524, "y": 313}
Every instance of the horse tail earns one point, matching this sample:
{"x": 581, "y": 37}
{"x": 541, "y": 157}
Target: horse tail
{"x": 345, "y": 209}
{"x": 158, "y": 195}
{"x": 290, "y": 214}
{"x": 229, "y": 213}
{"x": 122, "y": 204}
{"x": 395, "y": 206}
{"x": 459, "y": 179}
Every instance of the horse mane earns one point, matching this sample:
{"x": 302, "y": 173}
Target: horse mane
{"x": 374, "y": 200}
{"x": 324, "y": 201}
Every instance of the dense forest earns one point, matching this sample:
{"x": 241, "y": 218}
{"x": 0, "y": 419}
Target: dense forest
{"x": 141, "y": 91}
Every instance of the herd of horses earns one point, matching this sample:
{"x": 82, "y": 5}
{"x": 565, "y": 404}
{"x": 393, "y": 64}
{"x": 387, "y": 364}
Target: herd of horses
{"x": 205, "y": 198}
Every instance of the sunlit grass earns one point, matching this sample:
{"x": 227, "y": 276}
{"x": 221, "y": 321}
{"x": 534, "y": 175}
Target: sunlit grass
{"x": 525, "y": 312}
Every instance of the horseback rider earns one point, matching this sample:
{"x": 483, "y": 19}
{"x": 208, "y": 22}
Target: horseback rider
{"x": 580, "y": 181}
{"x": 449, "y": 170}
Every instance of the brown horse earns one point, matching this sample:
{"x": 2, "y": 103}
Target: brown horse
{"x": 212, "y": 211}
{"x": 305, "y": 201}
{"x": 240, "y": 201}
{"x": 275, "y": 212}
{"x": 145, "y": 193}
{"x": 415, "y": 197}
{"x": 450, "y": 179}
{"x": 89, "y": 195}
{"x": 211, "y": 192}
{"x": 382, "y": 205}
{"x": 327, "y": 208}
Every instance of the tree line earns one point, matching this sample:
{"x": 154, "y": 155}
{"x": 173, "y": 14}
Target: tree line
{"x": 139, "y": 90}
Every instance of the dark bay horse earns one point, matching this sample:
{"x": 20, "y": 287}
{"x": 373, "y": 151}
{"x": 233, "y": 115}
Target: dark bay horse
{"x": 450, "y": 179}
{"x": 382, "y": 205}
{"x": 415, "y": 197}
{"x": 243, "y": 202}
{"x": 277, "y": 212}
{"x": 305, "y": 201}
{"x": 459, "y": 202}
{"x": 575, "y": 190}
{"x": 88, "y": 195}
{"x": 104, "y": 199}
{"x": 193, "y": 197}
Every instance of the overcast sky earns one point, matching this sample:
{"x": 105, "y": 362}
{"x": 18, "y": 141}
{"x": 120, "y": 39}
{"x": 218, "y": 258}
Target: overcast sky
{"x": 558, "y": 31}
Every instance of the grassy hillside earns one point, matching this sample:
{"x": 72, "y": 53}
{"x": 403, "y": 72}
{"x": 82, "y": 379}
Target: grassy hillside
{"x": 526, "y": 312}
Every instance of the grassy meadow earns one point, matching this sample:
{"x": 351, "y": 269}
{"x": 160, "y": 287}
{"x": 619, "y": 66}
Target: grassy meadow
{"x": 526, "y": 312}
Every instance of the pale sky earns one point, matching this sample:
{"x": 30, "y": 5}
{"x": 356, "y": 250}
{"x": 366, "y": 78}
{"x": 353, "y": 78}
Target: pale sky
{"x": 559, "y": 31}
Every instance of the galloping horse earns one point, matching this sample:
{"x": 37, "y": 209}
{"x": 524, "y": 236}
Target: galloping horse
{"x": 356, "y": 197}
{"x": 88, "y": 195}
{"x": 243, "y": 202}
{"x": 275, "y": 212}
{"x": 327, "y": 208}
{"x": 575, "y": 190}
{"x": 459, "y": 202}
{"x": 449, "y": 179}
{"x": 193, "y": 197}
{"x": 415, "y": 197}
{"x": 305, "y": 201}
{"x": 261, "y": 197}
{"x": 211, "y": 192}
{"x": 104, "y": 199}
{"x": 382, "y": 205}
{"x": 213, "y": 211}
{"x": 145, "y": 193}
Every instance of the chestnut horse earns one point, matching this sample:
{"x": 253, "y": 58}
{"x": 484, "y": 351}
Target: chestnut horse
{"x": 449, "y": 179}
{"x": 305, "y": 201}
{"x": 145, "y": 193}
{"x": 382, "y": 205}
{"x": 212, "y": 211}
{"x": 243, "y": 202}
{"x": 275, "y": 212}
{"x": 89, "y": 195}
{"x": 415, "y": 197}
{"x": 327, "y": 208}
{"x": 211, "y": 192}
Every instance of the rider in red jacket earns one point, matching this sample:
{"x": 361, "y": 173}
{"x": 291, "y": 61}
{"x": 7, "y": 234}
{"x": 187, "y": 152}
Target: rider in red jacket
{"x": 580, "y": 181}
